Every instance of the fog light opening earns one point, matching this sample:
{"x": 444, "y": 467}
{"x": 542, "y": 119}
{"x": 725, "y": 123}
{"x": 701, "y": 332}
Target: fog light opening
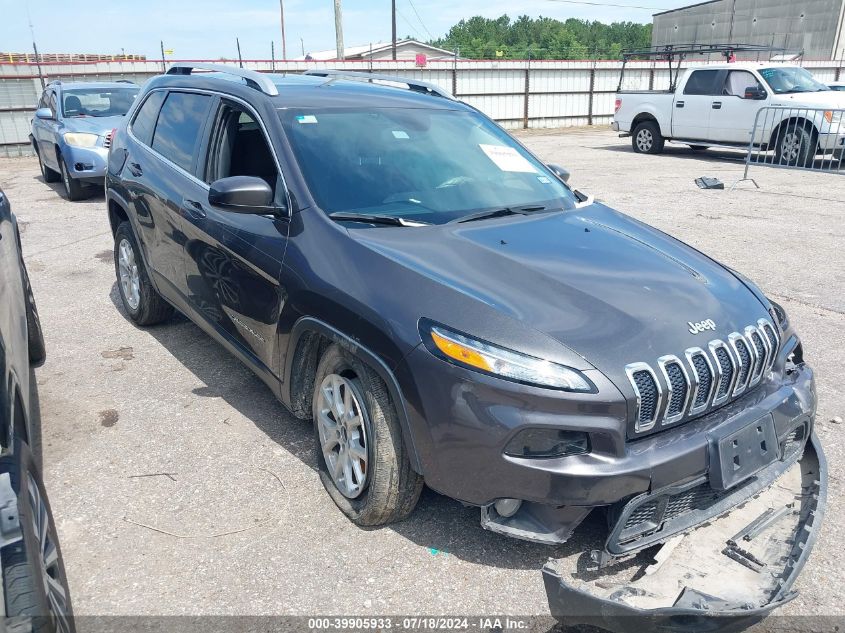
{"x": 507, "y": 507}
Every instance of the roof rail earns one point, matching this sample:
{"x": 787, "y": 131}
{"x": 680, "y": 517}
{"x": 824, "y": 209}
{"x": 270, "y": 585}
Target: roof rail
{"x": 413, "y": 84}
{"x": 253, "y": 78}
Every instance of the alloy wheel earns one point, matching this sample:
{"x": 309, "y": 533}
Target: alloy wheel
{"x": 343, "y": 435}
{"x": 645, "y": 140}
{"x": 48, "y": 557}
{"x": 130, "y": 281}
{"x": 790, "y": 146}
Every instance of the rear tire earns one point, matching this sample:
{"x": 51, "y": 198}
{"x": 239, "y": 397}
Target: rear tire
{"x": 140, "y": 300}
{"x": 647, "y": 139}
{"x": 34, "y": 584}
{"x": 389, "y": 490}
{"x": 73, "y": 188}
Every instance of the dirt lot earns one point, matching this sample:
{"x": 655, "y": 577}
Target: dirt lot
{"x": 122, "y": 405}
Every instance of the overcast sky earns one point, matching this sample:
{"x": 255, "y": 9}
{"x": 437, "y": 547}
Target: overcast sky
{"x": 207, "y": 29}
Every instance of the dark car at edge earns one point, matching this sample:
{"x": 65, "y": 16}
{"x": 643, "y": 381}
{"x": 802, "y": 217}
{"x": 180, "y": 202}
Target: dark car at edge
{"x": 449, "y": 311}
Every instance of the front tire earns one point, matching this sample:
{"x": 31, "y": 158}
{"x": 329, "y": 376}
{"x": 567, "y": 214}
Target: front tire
{"x": 46, "y": 173}
{"x": 73, "y": 188}
{"x": 647, "y": 139}
{"x": 35, "y": 335}
{"x": 140, "y": 300}
{"x": 34, "y": 580}
{"x": 795, "y": 146}
{"x": 362, "y": 459}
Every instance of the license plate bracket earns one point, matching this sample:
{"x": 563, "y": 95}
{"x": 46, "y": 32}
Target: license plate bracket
{"x": 738, "y": 455}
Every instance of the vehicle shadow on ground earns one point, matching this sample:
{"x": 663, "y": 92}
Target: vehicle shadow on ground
{"x": 733, "y": 157}
{"x": 93, "y": 193}
{"x": 439, "y": 523}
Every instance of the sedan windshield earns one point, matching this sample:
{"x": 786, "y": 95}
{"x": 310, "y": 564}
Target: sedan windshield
{"x": 98, "y": 101}
{"x": 426, "y": 165}
{"x": 790, "y": 79}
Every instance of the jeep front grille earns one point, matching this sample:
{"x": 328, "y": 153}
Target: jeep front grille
{"x": 702, "y": 379}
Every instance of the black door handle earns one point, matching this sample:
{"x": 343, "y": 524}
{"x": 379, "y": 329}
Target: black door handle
{"x": 135, "y": 169}
{"x": 717, "y": 105}
{"x": 679, "y": 104}
{"x": 194, "y": 209}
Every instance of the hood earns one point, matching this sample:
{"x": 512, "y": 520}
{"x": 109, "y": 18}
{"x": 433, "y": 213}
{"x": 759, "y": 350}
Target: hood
{"x": 100, "y": 125}
{"x": 831, "y": 98}
{"x": 610, "y": 288}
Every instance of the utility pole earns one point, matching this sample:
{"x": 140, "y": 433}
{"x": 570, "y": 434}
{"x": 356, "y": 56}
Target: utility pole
{"x": 284, "y": 42}
{"x": 240, "y": 59}
{"x": 163, "y": 64}
{"x": 338, "y": 29}
{"x": 393, "y": 23}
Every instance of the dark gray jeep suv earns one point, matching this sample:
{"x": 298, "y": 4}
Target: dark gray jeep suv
{"x": 447, "y": 310}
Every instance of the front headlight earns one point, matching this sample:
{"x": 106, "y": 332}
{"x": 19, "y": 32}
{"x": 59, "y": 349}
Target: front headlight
{"x": 80, "y": 139}
{"x": 498, "y": 361}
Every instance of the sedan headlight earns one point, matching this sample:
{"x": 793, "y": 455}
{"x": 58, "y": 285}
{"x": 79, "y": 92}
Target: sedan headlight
{"x": 498, "y": 361}
{"x": 80, "y": 139}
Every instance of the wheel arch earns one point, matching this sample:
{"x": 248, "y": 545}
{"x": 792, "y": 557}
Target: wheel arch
{"x": 308, "y": 340}
{"x": 797, "y": 120}
{"x": 644, "y": 116}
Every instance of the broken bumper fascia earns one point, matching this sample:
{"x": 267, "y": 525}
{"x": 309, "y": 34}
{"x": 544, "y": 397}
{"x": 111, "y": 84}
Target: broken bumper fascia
{"x": 574, "y": 606}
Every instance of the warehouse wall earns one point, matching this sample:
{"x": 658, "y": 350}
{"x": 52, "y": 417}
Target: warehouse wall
{"x": 518, "y": 94}
{"x": 811, "y": 25}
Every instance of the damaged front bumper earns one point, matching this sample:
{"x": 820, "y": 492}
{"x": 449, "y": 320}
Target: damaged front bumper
{"x": 725, "y": 574}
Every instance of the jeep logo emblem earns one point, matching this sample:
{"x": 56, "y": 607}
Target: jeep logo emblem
{"x": 707, "y": 324}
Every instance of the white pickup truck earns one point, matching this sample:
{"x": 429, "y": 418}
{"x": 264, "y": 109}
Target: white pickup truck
{"x": 718, "y": 105}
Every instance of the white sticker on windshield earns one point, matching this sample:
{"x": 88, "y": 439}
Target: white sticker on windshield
{"x": 507, "y": 158}
{"x": 306, "y": 118}
{"x": 400, "y": 134}
{"x": 544, "y": 180}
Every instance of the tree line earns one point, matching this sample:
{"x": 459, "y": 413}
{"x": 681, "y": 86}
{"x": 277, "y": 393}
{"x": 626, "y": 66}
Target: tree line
{"x": 543, "y": 38}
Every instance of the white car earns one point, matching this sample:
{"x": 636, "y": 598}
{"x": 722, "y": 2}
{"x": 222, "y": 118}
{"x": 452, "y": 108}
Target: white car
{"x": 719, "y": 104}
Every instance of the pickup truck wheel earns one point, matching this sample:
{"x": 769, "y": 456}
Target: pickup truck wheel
{"x": 73, "y": 188}
{"x": 795, "y": 146}
{"x": 140, "y": 300}
{"x": 647, "y": 138}
{"x": 362, "y": 460}
{"x": 46, "y": 173}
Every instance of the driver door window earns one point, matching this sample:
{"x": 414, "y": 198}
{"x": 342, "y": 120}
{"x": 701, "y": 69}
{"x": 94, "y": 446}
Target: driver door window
{"x": 733, "y": 121}
{"x": 239, "y": 148}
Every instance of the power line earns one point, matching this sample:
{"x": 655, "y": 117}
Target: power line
{"x": 609, "y": 4}
{"x": 408, "y": 22}
{"x": 430, "y": 36}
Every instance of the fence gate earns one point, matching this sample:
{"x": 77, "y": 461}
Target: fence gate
{"x": 811, "y": 139}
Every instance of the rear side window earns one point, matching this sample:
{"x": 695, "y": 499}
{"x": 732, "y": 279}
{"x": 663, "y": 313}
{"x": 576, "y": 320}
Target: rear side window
{"x": 145, "y": 120}
{"x": 701, "y": 82}
{"x": 179, "y": 125}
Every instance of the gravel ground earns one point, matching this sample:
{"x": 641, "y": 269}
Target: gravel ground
{"x": 240, "y": 524}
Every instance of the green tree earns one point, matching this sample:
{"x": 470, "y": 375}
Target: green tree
{"x": 543, "y": 38}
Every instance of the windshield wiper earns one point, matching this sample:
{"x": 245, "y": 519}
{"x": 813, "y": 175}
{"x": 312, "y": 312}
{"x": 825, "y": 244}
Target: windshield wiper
{"x": 497, "y": 213}
{"x": 387, "y": 220}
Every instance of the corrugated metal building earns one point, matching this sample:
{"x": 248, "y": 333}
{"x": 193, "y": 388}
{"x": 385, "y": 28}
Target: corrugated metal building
{"x": 816, "y": 26}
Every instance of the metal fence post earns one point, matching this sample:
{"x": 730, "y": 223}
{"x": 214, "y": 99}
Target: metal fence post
{"x": 591, "y": 95}
{"x": 527, "y": 92}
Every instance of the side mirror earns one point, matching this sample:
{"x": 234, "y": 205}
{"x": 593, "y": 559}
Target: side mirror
{"x": 560, "y": 172}
{"x": 45, "y": 114}
{"x": 242, "y": 194}
{"x": 756, "y": 93}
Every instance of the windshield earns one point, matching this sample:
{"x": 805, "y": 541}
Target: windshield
{"x": 98, "y": 101}
{"x": 789, "y": 79}
{"x": 417, "y": 164}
